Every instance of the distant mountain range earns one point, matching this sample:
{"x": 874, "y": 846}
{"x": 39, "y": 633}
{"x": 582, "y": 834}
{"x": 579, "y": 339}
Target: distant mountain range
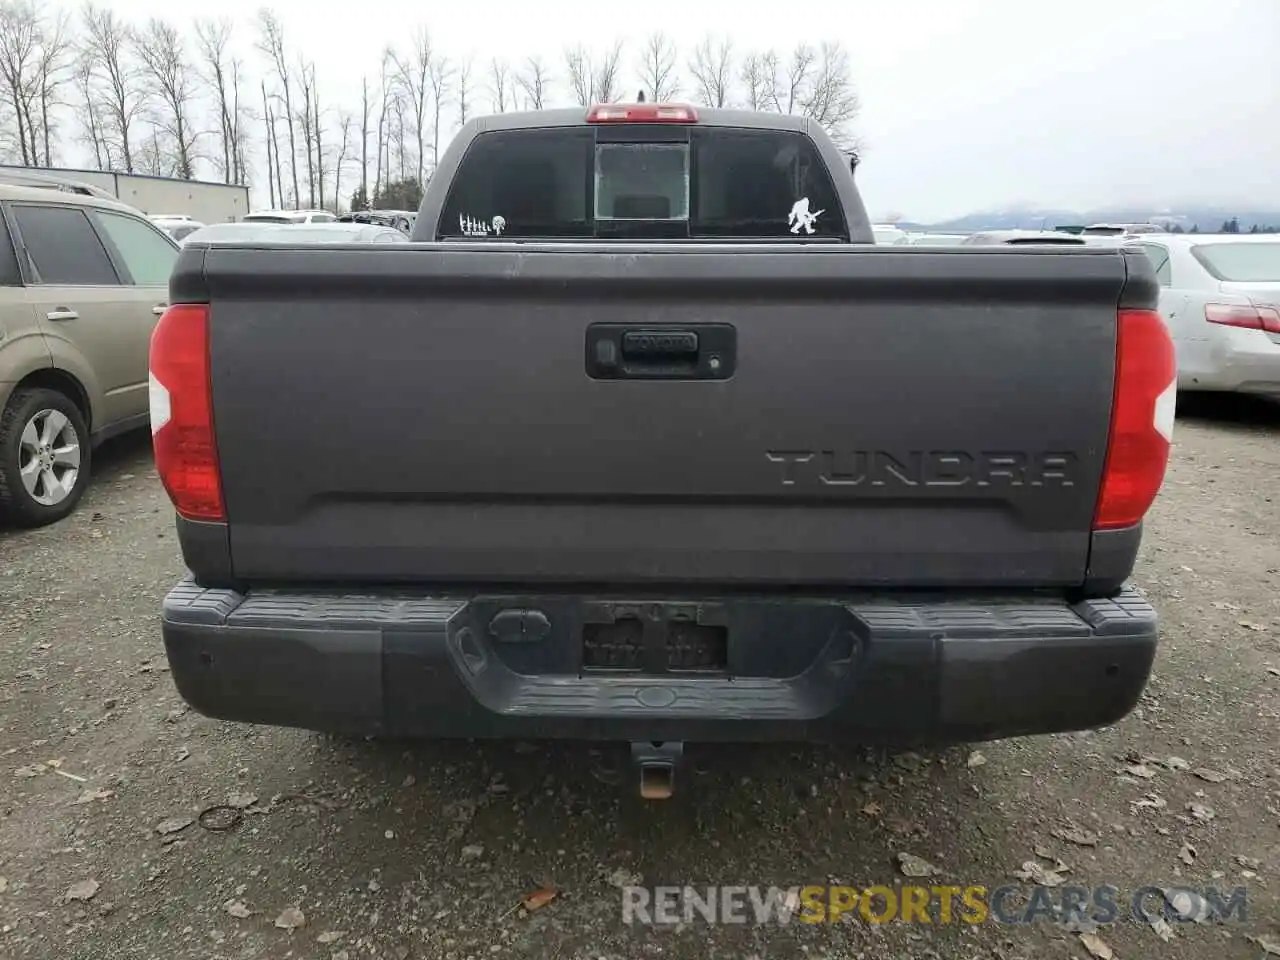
{"x": 1208, "y": 218}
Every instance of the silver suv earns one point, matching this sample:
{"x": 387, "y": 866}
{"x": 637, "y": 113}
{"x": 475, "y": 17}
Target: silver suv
{"x": 83, "y": 280}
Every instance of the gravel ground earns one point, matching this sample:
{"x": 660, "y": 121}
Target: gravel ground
{"x": 381, "y": 850}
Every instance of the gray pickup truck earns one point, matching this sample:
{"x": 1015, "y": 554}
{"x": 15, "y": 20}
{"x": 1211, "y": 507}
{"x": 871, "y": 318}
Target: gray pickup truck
{"x": 642, "y": 438}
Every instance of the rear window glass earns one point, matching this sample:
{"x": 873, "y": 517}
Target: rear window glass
{"x": 1240, "y": 262}
{"x": 63, "y": 246}
{"x": 698, "y": 182}
{"x": 642, "y": 181}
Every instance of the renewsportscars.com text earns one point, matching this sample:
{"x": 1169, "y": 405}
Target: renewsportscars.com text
{"x": 929, "y": 905}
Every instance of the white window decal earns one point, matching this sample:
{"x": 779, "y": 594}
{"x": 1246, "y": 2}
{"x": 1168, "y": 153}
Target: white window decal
{"x": 471, "y": 227}
{"x": 800, "y": 218}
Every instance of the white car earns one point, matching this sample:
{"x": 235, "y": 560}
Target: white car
{"x": 288, "y": 233}
{"x": 887, "y": 233}
{"x": 177, "y": 226}
{"x": 1220, "y": 296}
{"x": 932, "y": 240}
{"x": 289, "y": 216}
{"x": 990, "y": 237}
{"x": 1121, "y": 229}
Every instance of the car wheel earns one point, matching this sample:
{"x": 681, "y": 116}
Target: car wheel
{"x": 44, "y": 457}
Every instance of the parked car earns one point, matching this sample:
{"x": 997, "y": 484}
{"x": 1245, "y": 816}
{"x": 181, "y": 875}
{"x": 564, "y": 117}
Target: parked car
{"x": 564, "y": 469}
{"x": 402, "y": 220}
{"x": 1220, "y": 295}
{"x": 177, "y": 227}
{"x": 887, "y": 233}
{"x": 84, "y": 280}
{"x": 289, "y": 216}
{"x": 933, "y": 239}
{"x": 304, "y": 233}
{"x": 989, "y": 237}
{"x": 1121, "y": 229}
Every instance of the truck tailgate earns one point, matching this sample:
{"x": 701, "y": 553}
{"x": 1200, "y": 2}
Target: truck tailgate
{"x": 880, "y": 416}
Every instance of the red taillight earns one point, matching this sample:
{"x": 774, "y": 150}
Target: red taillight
{"x": 1146, "y": 384}
{"x": 642, "y": 113}
{"x": 182, "y": 412}
{"x": 1248, "y": 316}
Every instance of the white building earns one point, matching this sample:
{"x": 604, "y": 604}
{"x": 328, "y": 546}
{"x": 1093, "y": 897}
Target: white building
{"x": 199, "y": 199}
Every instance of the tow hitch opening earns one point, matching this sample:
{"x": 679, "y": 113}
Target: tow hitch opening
{"x": 657, "y": 762}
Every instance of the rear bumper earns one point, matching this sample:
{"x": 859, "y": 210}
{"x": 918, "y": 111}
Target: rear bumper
{"x": 1241, "y": 361}
{"x": 864, "y": 669}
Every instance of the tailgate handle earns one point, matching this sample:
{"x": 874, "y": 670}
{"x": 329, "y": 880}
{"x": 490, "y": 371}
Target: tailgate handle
{"x": 659, "y": 346}
{"x": 656, "y": 351}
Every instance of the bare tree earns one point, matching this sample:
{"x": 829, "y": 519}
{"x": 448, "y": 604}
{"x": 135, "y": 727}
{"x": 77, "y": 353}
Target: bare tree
{"x": 220, "y": 75}
{"x": 593, "y": 79}
{"x": 365, "y": 112}
{"x": 500, "y": 85}
{"x": 712, "y": 69}
{"x": 534, "y": 80}
{"x": 240, "y": 118}
{"x": 577, "y": 65}
{"x": 19, "y": 58}
{"x": 464, "y": 90}
{"x": 759, "y": 76}
{"x": 93, "y": 130}
{"x": 414, "y": 75}
{"x": 606, "y": 76}
{"x": 36, "y": 59}
{"x": 830, "y": 97}
{"x": 815, "y": 83}
{"x": 346, "y": 124}
{"x": 280, "y": 167}
{"x": 107, "y": 42}
{"x": 306, "y": 77}
{"x": 386, "y": 93}
{"x": 165, "y": 62}
{"x": 271, "y": 43}
{"x": 8, "y": 134}
{"x": 54, "y": 69}
{"x": 789, "y": 92}
{"x": 152, "y": 154}
{"x": 317, "y": 129}
{"x": 398, "y": 137}
{"x": 658, "y": 74}
{"x": 441, "y": 78}
{"x": 269, "y": 120}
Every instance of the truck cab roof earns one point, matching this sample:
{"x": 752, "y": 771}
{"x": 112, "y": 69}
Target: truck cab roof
{"x": 655, "y": 172}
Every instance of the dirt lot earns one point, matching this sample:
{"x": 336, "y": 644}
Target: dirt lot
{"x": 402, "y": 850}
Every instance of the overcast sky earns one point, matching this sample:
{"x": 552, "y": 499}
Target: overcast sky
{"x": 967, "y": 104}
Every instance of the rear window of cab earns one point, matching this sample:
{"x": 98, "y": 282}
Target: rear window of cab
{"x": 1251, "y": 262}
{"x": 575, "y": 183}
